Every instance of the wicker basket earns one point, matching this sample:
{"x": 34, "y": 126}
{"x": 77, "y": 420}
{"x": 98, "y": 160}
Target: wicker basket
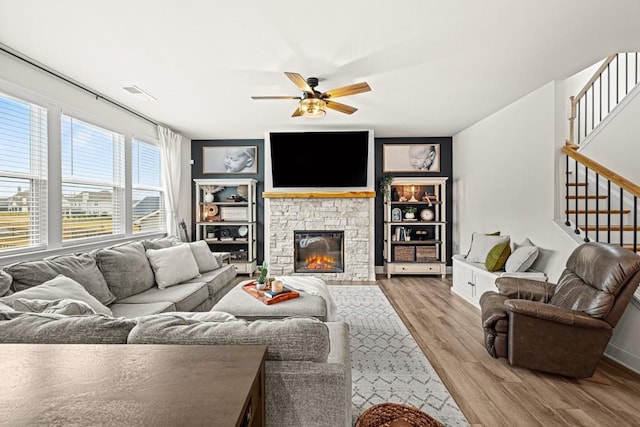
{"x": 426, "y": 253}
{"x": 392, "y": 414}
{"x": 404, "y": 254}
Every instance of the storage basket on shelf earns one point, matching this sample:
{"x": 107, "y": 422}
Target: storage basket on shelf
{"x": 426, "y": 253}
{"x": 404, "y": 253}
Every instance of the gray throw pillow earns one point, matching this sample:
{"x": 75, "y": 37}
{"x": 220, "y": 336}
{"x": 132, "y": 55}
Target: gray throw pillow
{"x": 126, "y": 269}
{"x": 55, "y": 289}
{"x": 522, "y": 257}
{"x": 82, "y": 268}
{"x": 5, "y": 283}
{"x": 161, "y": 243}
{"x": 41, "y": 328}
{"x": 59, "y": 306}
{"x": 204, "y": 257}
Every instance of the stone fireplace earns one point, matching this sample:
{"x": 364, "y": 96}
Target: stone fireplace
{"x": 348, "y": 213}
{"x": 318, "y": 251}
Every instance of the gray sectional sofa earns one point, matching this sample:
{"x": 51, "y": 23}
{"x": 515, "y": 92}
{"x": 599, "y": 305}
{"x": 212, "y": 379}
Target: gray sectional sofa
{"x": 129, "y": 294}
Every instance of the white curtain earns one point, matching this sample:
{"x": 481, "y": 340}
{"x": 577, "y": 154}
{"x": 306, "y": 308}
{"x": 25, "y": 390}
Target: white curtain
{"x": 170, "y": 143}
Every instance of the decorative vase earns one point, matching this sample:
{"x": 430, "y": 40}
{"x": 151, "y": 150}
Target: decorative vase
{"x": 261, "y": 286}
{"x": 409, "y": 215}
{"x": 208, "y": 197}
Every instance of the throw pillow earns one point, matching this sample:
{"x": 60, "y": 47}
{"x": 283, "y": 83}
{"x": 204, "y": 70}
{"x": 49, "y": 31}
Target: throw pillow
{"x": 82, "y": 268}
{"x": 204, "y": 257}
{"x": 497, "y": 256}
{"x": 172, "y": 265}
{"x": 126, "y": 269}
{"x": 5, "y": 283}
{"x": 59, "y": 306}
{"x": 522, "y": 258}
{"x": 481, "y": 244}
{"x": 161, "y": 242}
{"x": 55, "y": 289}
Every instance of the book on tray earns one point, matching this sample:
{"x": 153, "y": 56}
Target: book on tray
{"x": 270, "y": 293}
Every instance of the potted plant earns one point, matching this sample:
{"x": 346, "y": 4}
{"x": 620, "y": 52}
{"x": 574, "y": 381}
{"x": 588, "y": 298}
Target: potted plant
{"x": 385, "y": 185}
{"x": 410, "y": 212}
{"x": 263, "y": 269}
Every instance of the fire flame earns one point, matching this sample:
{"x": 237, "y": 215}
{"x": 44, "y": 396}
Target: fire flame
{"x": 320, "y": 262}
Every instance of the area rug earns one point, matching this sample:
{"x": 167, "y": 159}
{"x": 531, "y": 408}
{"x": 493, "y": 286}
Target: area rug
{"x": 386, "y": 363}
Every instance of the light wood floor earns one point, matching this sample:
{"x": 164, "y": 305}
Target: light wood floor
{"x": 489, "y": 391}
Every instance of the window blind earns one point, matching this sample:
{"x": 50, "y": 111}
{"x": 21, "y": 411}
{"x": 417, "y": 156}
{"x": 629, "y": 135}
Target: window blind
{"x": 23, "y": 169}
{"x": 92, "y": 180}
{"x": 148, "y": 204}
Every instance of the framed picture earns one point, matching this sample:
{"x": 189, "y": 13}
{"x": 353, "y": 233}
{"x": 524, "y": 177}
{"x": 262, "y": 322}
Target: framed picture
{"x": 230, "y": 159}
{"x": 411, "y": 158}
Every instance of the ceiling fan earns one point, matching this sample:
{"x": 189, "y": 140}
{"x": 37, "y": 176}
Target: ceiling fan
{"x": 314, "y": 103}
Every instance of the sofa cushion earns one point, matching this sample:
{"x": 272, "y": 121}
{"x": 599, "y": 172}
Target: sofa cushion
{"x": 219, "y": 281}
{"x": 126, "y": 269}
{"x": 481, "y": 244}
{"x": 173, "y": 265}
{"x": 59, "y": 306}
{"x": 131, "y": 311}
{"x": 5, "y": 283}
{"x": 62, "y": 329}
{"x": 287, "y": 339}
{"x": 204, "y": 257}
{"x": 185, "y": 297}
{"x": 57, "y": 288}
{"x": 81, "y": 267}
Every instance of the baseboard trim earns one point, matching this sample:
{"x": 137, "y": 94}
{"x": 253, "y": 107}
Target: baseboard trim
{"x": 623, "y": 357}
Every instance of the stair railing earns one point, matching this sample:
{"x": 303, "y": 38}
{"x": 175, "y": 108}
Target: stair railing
{"x": 626, "y": 191}
{"x": 613, "y": 80}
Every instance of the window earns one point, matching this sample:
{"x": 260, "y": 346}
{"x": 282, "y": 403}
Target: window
{"x": 148, "y": 204}
{"x": 92, "y": 181}
{"x": 23, "y": 189}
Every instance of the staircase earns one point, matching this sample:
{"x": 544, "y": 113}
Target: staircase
{"x": 600, "y": 205}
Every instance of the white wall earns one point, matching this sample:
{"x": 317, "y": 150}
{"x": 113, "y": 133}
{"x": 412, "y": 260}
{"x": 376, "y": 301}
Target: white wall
{"x": 24, "y": 81}
{"x": 505, "y": 169}
{"x": 615, "y": 144}
{"x": 504, "y": 178}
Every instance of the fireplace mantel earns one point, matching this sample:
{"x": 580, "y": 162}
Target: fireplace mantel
{"x": 319, "y": 195}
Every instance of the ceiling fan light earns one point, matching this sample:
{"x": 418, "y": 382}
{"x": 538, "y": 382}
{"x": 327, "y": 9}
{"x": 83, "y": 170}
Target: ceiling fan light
{"x": 313, "y": 107}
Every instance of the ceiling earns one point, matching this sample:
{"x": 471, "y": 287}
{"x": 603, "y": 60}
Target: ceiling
{"x": 435, "y": 67}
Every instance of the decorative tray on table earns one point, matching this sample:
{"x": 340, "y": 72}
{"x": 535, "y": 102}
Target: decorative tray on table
{"x": 267, "y": 296}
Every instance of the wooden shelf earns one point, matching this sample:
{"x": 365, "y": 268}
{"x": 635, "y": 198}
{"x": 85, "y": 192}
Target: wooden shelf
{"x": 319, "y": 195}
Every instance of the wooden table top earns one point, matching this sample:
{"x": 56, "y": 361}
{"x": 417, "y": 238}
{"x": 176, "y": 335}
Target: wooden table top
{"x": 134, "y": 385}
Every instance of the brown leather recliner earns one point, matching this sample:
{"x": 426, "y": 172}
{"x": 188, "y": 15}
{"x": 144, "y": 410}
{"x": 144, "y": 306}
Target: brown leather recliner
{"x": 562, "y": 328}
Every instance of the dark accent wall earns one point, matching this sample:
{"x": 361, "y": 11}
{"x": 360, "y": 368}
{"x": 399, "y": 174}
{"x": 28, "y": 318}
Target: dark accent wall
{"x": 196, "y": 173}
{"x": 446, "y": 169}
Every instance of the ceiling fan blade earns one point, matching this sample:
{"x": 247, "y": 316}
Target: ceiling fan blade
{"x": 275, "y": 97}
{"x": 297, "y": 113}
{"x": 343, "y": 108}
{"x": 347, "y": 90}
{"x": 299, "y": 81}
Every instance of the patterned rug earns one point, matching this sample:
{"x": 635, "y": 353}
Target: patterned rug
{"x": 387, "y": 364}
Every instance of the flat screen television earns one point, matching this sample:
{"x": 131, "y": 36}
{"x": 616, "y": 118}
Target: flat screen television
{"x": 319, "y": 159}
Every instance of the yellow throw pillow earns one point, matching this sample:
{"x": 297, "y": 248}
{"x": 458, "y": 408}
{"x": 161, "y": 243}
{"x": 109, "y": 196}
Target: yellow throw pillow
{"x": 497, "y": 256}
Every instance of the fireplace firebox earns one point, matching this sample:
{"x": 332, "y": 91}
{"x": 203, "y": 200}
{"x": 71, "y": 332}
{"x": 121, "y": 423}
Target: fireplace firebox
{"x": 318, "y": 251}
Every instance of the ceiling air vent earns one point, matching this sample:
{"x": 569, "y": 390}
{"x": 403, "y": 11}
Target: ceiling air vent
{"x": 138, "y": 93}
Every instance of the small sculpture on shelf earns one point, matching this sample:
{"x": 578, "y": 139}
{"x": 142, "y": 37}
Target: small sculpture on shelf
{"x": 209, "y": 191}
